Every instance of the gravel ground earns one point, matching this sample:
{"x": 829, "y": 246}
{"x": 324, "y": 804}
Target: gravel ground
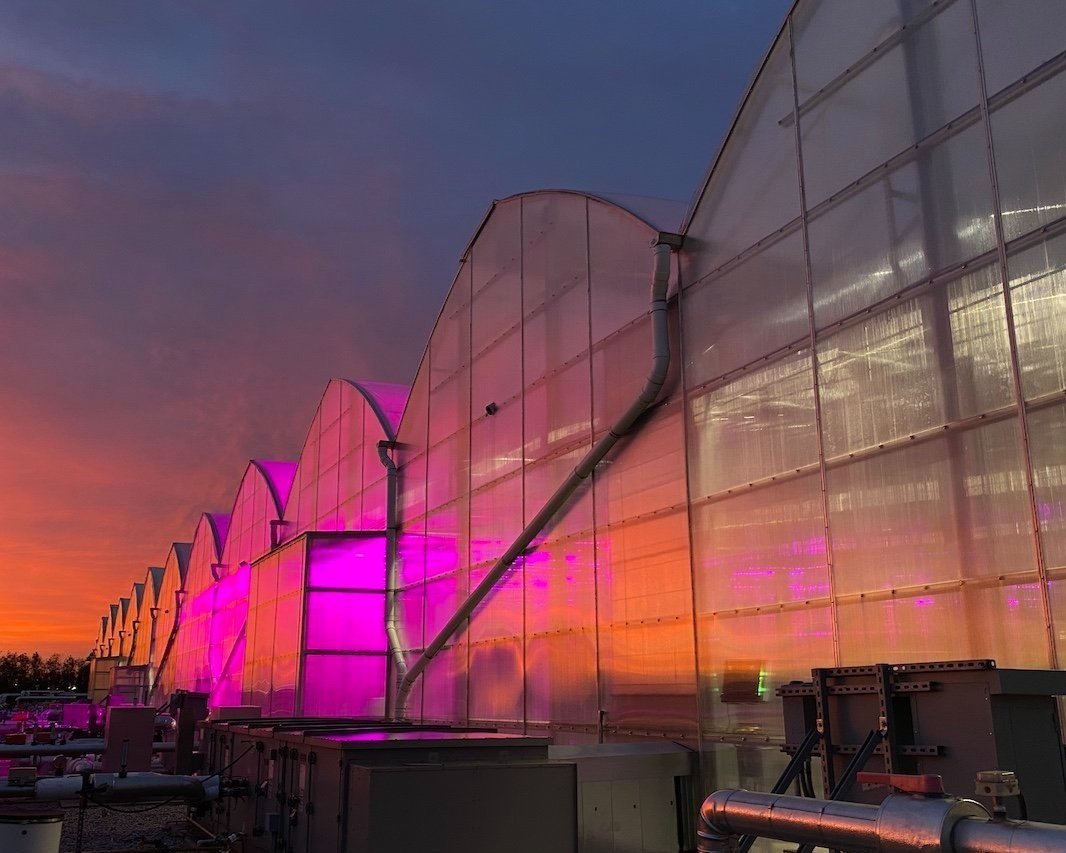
{"x": 163, "y": 828}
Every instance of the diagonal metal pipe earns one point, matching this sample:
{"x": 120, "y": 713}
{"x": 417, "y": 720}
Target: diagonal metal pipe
{"x": 660, "y": 364}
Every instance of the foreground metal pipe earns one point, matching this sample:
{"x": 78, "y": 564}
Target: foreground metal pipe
{"x": 660, "y": 364}
{"x": 80, "y": 746}
{"x": 901, "y": 824}
{"x": 114, "y": 788}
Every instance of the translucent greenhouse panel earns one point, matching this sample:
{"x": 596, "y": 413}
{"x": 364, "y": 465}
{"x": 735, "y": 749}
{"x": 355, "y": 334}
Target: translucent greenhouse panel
{"x": 747, "y": 312}
{"x": 1047, "y": 436}
{"x": 924, "y": 216}
{"x": 954, "y": 507}
{"x": 283, "y": 686}
{"x": 411, "y": 500}
{"x": 495, "y": 519}
{"x": 937, "y": 358}
{"x": 443, "y": 594}
{"x": 496, "y": 444}
{"x": 558, "y": 411}
{"x": 497, "y": 371}
{"x": 375, "y": 501}
{"x": 327, "y": 505}
{"x": 344, "y": 685}
{"x": 1038, "y": 295}
{"x": 832, "y": 35}
{"x": 1027, "y": 135}
{"x": 620, "y": 266}
{"x": 409, "y": 605}
{"x": 915, "y": 87}
{"x": 541, "y": 482}
{"x": 556, "y": 333}
{"x": 449, "y": 346}
{"x": 496, "y": 254}
{"x": 349, "y": 492}
{"x": 496, "y": 676}
{"x": 447, "y": 540}
{"x": 411, "y": 549}
{"x": 444, "y": 686}
{"x": 346, "y": 562}
{"x": 754, "y": 188}
{"x": 1057, "y": 594}
{"x": 1017, "y": 36}
{"x": 449, "y": 407}
{"x": 761, "y": 548}
{"x": 647, "y": 472}
{"x": 448, "y": 474}
{"x": 345, "y": 622}
{"x": 560, "y": 590}
{"x": 649, "y": 674}
{"x": 619, "y": 368}
{"x": 554, "y": 249}
{"x": 745, "y": 658}
{"x": 1003, "y": 621}
{"x": 644, "y": 570}
{"x": 760, "y": 424}
{"x": 561, "y": 678}
{"x": 502, "y": 612}
{"x": 412, "y": 432}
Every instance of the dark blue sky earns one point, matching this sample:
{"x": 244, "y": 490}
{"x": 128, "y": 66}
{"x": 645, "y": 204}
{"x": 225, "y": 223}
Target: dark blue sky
{"x": 209, "y": 209}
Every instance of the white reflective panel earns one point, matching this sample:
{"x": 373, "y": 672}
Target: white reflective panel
{"x": 620, "y": 265}
{"x": 832, "y": 35}
{"x": 743, "y": 659}
{"x": 1027, "y": 136}
{"x": 1038, "y": 295}
{"x": 913, "y": 88}
{"x": 760, "y": 424}
{"x": 953, "y": 507}
{"x": 928, "y": 214}
{"x": 746, "y": 313}
{"x": 561, "y": 678}
{"x": 930, "y": 360}
{"x": 1000, "y": 621}
{"x": 754, "y": 189}
{"x": 1047, "y": 436}
{"x": 1017, "y": 36}
{"x": 762, "y": 547}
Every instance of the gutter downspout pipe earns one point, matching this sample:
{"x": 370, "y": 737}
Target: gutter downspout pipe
{"x": 660, "y": 364}
{"x": 392, "y": 493}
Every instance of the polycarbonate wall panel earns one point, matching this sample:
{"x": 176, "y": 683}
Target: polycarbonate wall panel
{"x": 939, "y": 357}
{"x": 927, "y": 214}
{"x": 754, "y": 189}
{"x": 756, "y": 307}
{"x": 758, "y": 425}
{"x": 620, "y": 267}
{"x": 1030, "y": 161}
{"x": 871, "y": 496}
{"x": 915, "y": 86}
{"x": 1017, "y": 36}
{"x": 324, "y": 676}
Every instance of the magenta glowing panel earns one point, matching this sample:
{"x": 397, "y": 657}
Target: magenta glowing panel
{"x": 345, "y": 621}
{"x": 344, "y": 685}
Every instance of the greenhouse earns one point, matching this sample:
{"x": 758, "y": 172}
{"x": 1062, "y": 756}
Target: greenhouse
{"x": 853, "y": 449}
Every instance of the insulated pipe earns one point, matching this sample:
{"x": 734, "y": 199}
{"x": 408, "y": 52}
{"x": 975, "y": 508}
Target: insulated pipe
{"x": 392, "y": 495}
{"x": 133, "y": 787}
{"x": 78, "y": 746}
{"x": 901, "y": 824}
{"x": 660, "y": 363}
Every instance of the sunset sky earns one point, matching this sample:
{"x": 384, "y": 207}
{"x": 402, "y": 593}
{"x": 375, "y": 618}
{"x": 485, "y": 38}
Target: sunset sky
{"x": 207, "y": 210}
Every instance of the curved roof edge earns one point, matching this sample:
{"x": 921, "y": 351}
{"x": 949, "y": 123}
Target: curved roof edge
{"x": 701, "y": 187}
{"x": 372, "y": 392}
{"x": 278, "y": 476}
{"x": 155, "y": 575}
{"x": 658, "y": 214}
{"x": 219, "y": 524}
